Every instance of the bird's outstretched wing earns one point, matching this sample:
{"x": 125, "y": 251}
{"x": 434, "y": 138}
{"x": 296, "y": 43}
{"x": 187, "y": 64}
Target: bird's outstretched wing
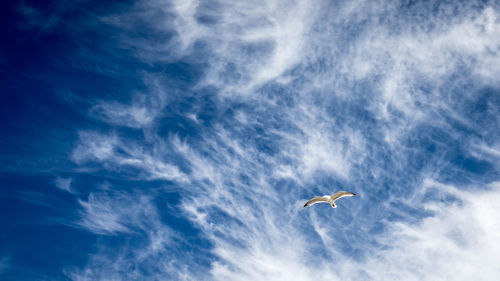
{"x": 341, "y": 194}
{"x": 315, "y": 200}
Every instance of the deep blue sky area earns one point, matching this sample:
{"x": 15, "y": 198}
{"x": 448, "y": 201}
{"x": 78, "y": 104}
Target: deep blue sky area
{"x": 45, "y": 88}
{"x": 179, "y": 140}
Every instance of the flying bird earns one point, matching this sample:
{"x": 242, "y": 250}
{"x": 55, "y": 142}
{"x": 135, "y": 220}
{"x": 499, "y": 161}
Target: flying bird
{"x": 329, "y": 198}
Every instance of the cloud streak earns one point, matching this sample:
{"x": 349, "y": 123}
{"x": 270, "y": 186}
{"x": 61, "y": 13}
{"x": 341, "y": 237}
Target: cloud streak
{"x": 64, "y": 184}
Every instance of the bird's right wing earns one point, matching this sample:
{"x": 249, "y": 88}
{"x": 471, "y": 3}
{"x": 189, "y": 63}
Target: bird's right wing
{"x": 315, "y": 200}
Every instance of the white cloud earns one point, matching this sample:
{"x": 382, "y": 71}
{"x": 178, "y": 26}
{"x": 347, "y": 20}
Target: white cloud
{"x": 409, "y": 60}
{"x": 64, "y": 184}
{"x": 103, "y": 216}
{"x": 111, "y": 213}
{"x": 132, "y": 116}
{"x": 142, "y": 110}
{"x": 250, "y": 43}
{"x": 399, "y": 61}
{"x": 115, "y": 154}
{"x": 483, "y": 150}
{"x": 396, "y": 71}
{"x": 94, "y": 146}
{"x": 148, "y": 248}
{"x": 460, "y": 242}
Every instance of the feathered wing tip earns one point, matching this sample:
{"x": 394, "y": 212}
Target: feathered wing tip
{"x": 315, "y": 200}
{"x": 345, "y": 193}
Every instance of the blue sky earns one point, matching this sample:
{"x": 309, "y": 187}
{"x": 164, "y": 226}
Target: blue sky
{"x": 179, "y": 140}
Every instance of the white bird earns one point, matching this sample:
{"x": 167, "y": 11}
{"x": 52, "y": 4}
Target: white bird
{"x": 329, "y": 198}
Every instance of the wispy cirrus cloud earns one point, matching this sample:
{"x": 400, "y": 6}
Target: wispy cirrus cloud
{"x": 117, "y": 154}
{"x": 460, "y": 239}
{"x": 142, "y": 110}
{"x": 149, "y": 248}
{"x": 374, "y": 100}
{"x": 103, "y": 215}
{"x": 64, "y": 184}
{"x": 245, "y": 44}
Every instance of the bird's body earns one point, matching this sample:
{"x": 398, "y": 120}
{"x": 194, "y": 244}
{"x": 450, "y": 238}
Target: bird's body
{"x": 329, "y": 198}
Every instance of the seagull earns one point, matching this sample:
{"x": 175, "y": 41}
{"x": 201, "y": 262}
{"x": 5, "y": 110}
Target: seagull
{"x": 329, "y": 198}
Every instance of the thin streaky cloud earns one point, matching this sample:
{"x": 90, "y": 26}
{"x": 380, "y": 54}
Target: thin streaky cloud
{"x": 407, "y": 74}
{"x": 64, "y": 184}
